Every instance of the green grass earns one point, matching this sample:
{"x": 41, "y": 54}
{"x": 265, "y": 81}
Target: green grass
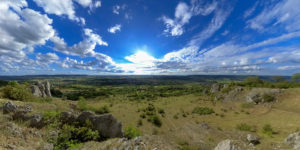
{"x": 203, "y": 110}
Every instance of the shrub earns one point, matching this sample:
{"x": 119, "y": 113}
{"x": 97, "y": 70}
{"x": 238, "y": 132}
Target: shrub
{"x": 161, "y": 111}
{"x": 268, "y": 97}
{"x": 175, "y": 116}
{"x": 268, "y": 130}
{"x": 82, "y": 104}
{"x": 156, "y": 120}
{"x": 70, "y": 136}
{"x": 203, "y": 110}
{"x": 245, "y": 127}
{"x": 131, "y": 132}
{"x": 56, "y": 93}
{"x": 140, "y": 122}
{"x": 16, "y": 91}
{"x": 102, "y": 110}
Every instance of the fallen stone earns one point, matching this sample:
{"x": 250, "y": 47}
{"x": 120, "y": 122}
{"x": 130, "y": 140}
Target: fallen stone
{"x": 253, "y": 139}
{"x": 293, "y": 140}
{"x": 227, "y": 145}
{"x": 36, "y": 121}
{"x": 9, "y": 107}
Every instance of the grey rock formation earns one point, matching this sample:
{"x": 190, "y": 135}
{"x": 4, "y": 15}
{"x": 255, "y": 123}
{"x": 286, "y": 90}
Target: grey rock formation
{"x": 9, "y": 107}
{"x": 41, "y": 89}
{"x": 254, "y": 139}
{"x": 67, "y": 117}
{"x": 216, "y": 87}
{"x": 256, "y": 95}
{"x": 293, "y": 140}
{"x": 36, "y": 121}
{"x": 107, "y": 124}
{"x": 48, "y": 146}
{"x": 227, "y": 145}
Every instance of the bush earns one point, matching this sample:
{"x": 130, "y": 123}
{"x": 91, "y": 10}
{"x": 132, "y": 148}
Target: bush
{"x": 268, "y": 98}
{"x": 161, "y": 111}
{"x": 268, "y": 130}
{"x": 131, "y": 132}
{"x": 82, "y": 104}
{"x": 16, "y": 91}
{"x": 56, "y": 93}
{"x": 70, "y": 136}
{"x": 102, "y": 110}
{"x": 156, "y": 120}
{"x": 245, "y": 127}
{"x": 203, "y": 110}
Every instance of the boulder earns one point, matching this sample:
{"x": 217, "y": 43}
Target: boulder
{"x": 48, "y": 146}
{"x": 41, "y": 89}
{"x": 107, "y": 125}
{"x": 256, "y": 95}
{"x": 48, "y": 89}
{"x": 86, "y": 115}
{"x": 254, "y": 139}
{"x": 36, "y": 121}
{"x": 67, "y": 117}
{"x": 216, "y": 87}
{"x": 35, "y": 90}
{"x": 227, "y": 145}
{"x": 293, "y": 140}
{"x": 9, "y": 107}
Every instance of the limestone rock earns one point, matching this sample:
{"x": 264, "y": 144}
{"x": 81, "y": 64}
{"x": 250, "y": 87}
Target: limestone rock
{"x": 36, "y": 121}
{"x": 9, "y": 107}
{"x": 253, "y": 139}
{"x": 41, "y": 89}
{"x": 293, "y": 140}
{"x": 107, "y": 125}
{"x": 47, "y": 89}
{"x": 216, "y": 87}
{"x": 227, "y": 145}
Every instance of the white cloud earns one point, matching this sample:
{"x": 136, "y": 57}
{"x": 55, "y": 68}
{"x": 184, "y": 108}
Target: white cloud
{"x": 46, "y": 59}
{"x": 289, "y": 67}
{"x": 84, "y": 48}
{"x": 114, "y": 29}
{"x": 117, "y": 8}
{"x": 285, "y": 13}
{"x": 183, "y": 14}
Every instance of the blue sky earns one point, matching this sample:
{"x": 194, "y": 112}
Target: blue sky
{"x": 143, "y": 37}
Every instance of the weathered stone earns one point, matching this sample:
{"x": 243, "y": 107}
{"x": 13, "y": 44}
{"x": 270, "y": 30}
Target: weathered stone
{"x": 9, "y": 107}
{"x": 227, "y": 145}
{"x": 216, "y": 87}
{"x": 48, "y": 146}
{"x": 36, "y": 121}
{"x": 40, "y": 89}
{"x": 107, "y": 125}
{"x": 47, "y": 89}
{"x": 293, "y": 140}
{"x": 67, "y": 117}
{"x": 86, "y": 115}
{"x": 254, "y": 139}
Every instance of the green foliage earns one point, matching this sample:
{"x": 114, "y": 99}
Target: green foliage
{"x": 70, "y": 136}
{"x": 268, "y": 98}
{"x": 246, "y": 127}
{"x": 161, "y": 111}
{"x": 3, "y": 83}
{"x": 16, "y": 91}
{"x": 268, "y": 130}
{"x": 56, "y": 93}
{"x": 203, "y": 110}
{"x": 278, "y": 78}
{"x": 156, "y": 120}
{"x": 51, "y": 119}
{"x": 131, "y": 132}
{"x": 140, "y": 122}
{"x": 102, "y": 110}
{"x": 296, "y": 76}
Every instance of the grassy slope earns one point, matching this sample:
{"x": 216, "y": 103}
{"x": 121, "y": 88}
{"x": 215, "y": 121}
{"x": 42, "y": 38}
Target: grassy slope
{"x": 284, "y": 117}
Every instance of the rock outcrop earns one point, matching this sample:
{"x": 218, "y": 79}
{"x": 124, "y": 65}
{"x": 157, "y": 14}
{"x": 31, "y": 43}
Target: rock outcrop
{"x": 227, "y": 145}
{"x": 41, "y": 89}
{"x": 216, "y": 87}
{"x": 9, "y": 107}
{"x": 253, "y": 139}
{"x": 256, "y": 95}
{"x": 293, "y": 140}
{"x": 106, "y": 124}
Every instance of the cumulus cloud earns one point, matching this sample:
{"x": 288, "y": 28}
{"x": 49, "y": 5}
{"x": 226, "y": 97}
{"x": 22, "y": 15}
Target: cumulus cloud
{"x": 284, "y": 13}
{"x": 46, "y": 59}
{"x": 183, "y": 14}
{"x": 84, "y": 48}
{"x": 114, "y": 29}
{"x": 66, "y": 7}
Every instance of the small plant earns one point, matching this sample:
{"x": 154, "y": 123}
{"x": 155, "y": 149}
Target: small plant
{"x": 102, "y": 110}
{"x": 143, "y": 115}
{"x": 161, "y": 111}
{"x": 140, "y": 122}
{"x": 175, "y": 116}
{"x": 245, "y": 127}
{"x": 268, "y": 130}
{"x": 156, "y": 120}
{"x": 203, "y": 110}
{"x": 131, "y": 132}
